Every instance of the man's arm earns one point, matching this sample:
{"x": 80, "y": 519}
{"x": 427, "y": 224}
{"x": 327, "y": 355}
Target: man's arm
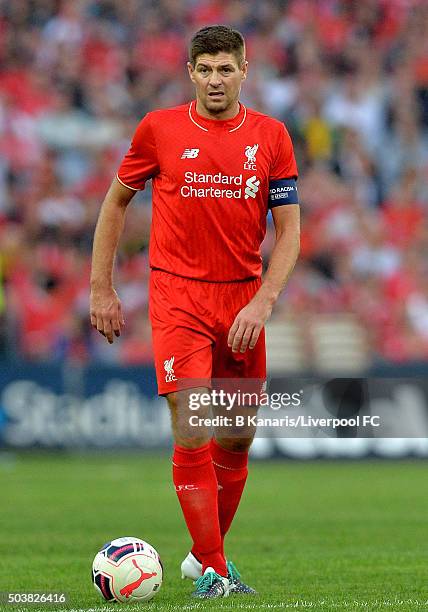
{"x": 250, "y": 320}
{"x": 105, "y": 307}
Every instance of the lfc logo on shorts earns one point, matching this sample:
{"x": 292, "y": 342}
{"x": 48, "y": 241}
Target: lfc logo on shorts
{"x": 167, "y": 364}
{"x": 250, "y": 152}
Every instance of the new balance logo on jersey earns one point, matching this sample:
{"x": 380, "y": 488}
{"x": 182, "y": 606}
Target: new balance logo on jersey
{"x": 190, "y": 153}
{"x": 167, "y": 364}
{"x": 251, "y": 187}
{"x": 250, "y": 152}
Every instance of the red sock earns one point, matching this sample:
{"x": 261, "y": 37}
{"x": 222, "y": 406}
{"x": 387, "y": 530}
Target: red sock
{"x": 231, "y": 470}
{"x": 196, "y": 486}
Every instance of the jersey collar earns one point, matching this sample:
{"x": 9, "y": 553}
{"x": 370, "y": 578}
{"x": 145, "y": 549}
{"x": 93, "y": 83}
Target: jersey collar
{"x": 208, "y": 125}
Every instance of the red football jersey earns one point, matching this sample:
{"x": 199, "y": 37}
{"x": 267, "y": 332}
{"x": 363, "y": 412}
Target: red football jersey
{"x": 210, "y": 188}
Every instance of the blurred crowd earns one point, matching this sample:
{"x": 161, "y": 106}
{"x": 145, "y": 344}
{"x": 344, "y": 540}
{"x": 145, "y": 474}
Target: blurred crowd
{"x": 349, "y": 79}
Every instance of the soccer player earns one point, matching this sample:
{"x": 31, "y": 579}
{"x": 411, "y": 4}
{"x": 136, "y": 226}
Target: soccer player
{"x": 217, "y": 168}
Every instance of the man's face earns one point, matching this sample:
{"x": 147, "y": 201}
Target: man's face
{"x": 217, "y": 79}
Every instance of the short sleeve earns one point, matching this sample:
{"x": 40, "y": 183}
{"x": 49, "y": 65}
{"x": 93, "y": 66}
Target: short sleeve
{"x": 284, "y": 165}
{"x": 141, "y": 161}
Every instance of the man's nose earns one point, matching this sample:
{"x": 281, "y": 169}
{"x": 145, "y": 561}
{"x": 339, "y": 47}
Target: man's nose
{"x": 215, "y": 79}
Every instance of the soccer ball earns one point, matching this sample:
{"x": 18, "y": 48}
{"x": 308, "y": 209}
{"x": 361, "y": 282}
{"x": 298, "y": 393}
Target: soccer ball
{"x": 127, "y": 570}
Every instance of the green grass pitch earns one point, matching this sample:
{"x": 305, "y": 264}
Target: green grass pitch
{"x": 308, "y": 536}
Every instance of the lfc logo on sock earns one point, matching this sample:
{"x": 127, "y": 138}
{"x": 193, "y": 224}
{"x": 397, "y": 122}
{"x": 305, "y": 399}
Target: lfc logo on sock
{"x": 186, "y": 487}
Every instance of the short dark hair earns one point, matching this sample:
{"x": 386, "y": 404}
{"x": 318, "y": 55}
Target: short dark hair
{"x": 215, "y": 39}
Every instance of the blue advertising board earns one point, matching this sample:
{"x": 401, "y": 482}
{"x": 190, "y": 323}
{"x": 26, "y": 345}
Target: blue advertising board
{"x": 63, "y": 406}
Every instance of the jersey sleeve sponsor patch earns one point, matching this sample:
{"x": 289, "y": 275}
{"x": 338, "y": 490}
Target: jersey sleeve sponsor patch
{"x": 282, "y": 191}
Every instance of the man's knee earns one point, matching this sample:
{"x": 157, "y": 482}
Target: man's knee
{"x": 187, "y": 429}
{"x": 231, "y": 434}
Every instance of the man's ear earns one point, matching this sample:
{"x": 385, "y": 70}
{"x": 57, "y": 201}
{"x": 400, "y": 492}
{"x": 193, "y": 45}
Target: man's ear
{"x": 244, "y": 69}
{"x": 191, "y": 70}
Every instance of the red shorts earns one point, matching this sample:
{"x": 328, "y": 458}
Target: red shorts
{"x": 190, "y": 325}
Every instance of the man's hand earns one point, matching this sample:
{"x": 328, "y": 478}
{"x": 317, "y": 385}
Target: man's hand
{"x": 248, "y": 324}
{"x": 106, "y": 312}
